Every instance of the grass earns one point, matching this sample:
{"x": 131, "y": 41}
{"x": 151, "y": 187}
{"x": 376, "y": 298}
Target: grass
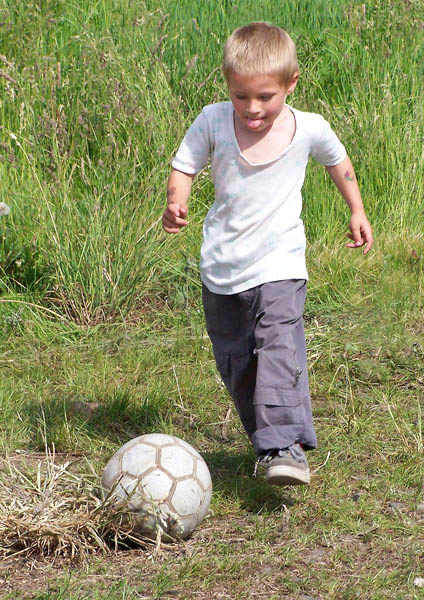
{"x": 87, "y": 137}
{"x": 101, "y": 331}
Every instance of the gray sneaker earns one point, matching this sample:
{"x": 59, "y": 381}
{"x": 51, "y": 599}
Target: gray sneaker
{"x": 286, "y": 467}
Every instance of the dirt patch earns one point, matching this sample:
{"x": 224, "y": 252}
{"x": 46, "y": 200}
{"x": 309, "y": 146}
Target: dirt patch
{"x": 29, "y": 577}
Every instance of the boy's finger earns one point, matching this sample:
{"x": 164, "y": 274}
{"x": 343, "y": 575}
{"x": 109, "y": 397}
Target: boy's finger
{"x": 170, "y": 228}
{"x": 366, "y": 241}
{"x": 369, "y": 242}
{"x": 173, "y": 224}
{"x": 177, "y": 210}
{"x": 178, "y": 221}
{"x": 357, "y": 239}
{"x": 173, "y": 217}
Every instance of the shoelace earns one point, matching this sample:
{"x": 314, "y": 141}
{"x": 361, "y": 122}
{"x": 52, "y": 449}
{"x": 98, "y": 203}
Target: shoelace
{"x": 263, "y": 459}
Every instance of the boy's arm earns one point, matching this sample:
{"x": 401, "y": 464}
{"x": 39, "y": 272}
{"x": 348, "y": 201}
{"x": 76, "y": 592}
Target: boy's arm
{"x": 343, "y": 176}
{"x": 179, "y": 188}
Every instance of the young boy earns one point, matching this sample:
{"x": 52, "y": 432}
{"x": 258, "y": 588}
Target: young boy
{"x": 253, "y": 252}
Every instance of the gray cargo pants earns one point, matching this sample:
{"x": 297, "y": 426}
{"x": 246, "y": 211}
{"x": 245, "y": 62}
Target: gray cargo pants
{"x": 260, "y": 352}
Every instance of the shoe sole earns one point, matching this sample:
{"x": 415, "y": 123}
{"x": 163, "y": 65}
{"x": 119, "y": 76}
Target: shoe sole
{"x": 287, "y": 476}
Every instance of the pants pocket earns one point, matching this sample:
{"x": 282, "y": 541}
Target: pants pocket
{"x": 270, "y": 396}
{"x": 278, "y": 408}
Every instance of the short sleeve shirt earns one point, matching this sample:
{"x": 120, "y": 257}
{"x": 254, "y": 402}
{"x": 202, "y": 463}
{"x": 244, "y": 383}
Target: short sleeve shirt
{"x": 253, "y": 232}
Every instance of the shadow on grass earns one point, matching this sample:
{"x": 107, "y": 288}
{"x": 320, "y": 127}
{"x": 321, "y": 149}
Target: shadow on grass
{"x": 76, "y": 424}
{"x": 232, "y": 476}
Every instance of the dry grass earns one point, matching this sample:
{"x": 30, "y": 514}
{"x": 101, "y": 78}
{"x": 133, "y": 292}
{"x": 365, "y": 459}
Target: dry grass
{"x": 54, "y": 509}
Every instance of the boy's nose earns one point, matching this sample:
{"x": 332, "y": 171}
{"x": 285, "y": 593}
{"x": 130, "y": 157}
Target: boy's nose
{"x": 253, "y": 108}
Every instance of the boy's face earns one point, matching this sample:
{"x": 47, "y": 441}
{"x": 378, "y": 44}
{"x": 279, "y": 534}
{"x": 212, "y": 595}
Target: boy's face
{"x": 259, "y": 100}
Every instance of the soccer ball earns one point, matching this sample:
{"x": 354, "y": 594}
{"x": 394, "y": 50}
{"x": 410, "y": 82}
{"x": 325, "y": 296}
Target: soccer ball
{"x": 162, "y": 482}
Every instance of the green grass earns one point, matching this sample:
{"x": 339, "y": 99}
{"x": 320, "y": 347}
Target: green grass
{"x": 101, "y": 331}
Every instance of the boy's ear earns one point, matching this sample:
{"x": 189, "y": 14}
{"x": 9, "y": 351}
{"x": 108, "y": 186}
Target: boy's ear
{"x": 292, "y": 85}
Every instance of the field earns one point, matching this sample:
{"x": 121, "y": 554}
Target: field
{"x": 102, "y": 335}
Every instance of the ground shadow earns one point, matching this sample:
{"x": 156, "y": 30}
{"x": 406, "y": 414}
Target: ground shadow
{"x": 232, "y": 476}
{"x": 118, "y": 417}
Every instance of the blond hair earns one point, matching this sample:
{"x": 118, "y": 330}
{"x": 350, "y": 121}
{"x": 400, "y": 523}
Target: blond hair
{"x": 260, "y": 48}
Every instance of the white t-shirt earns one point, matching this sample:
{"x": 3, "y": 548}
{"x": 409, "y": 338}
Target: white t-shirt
{"x": 253, "y": 232}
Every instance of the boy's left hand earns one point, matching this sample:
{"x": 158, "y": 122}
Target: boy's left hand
{"x": 344, "y": 177}
{"x": 360, "y": 232}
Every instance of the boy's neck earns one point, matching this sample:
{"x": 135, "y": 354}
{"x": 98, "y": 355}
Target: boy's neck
{"x": 265, "y": 145}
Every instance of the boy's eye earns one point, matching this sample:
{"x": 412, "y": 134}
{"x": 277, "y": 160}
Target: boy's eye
{"x": 266, "y": 97}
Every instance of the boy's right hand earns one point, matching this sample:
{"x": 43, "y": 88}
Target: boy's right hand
{"x": 173, "y": 218}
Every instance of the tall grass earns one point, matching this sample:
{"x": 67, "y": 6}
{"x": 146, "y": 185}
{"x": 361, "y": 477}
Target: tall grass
{"x": 96, "y": 98}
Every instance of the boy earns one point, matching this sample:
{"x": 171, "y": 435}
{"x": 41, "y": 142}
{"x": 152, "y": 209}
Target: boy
{"x": 253, "y": 253}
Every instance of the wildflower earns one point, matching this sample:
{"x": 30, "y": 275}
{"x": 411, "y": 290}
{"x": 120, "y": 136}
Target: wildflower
{"x": 15, "y": 139}
{"x": 4, "y": 209}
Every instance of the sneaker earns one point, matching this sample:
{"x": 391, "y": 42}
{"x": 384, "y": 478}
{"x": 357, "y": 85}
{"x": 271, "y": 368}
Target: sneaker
{"x": 286, "y": 467}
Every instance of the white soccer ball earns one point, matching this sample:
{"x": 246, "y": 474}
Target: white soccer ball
{"x": 163, "y": 482}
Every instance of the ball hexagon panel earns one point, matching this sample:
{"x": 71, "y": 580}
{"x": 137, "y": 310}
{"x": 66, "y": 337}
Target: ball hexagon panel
{"x": 139, "y": 458}
{"x": 177, "y": 461}
{"x": 157, "y": 439}
{"x": 187, "y": 497}
{"x": 156, "y": 485}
